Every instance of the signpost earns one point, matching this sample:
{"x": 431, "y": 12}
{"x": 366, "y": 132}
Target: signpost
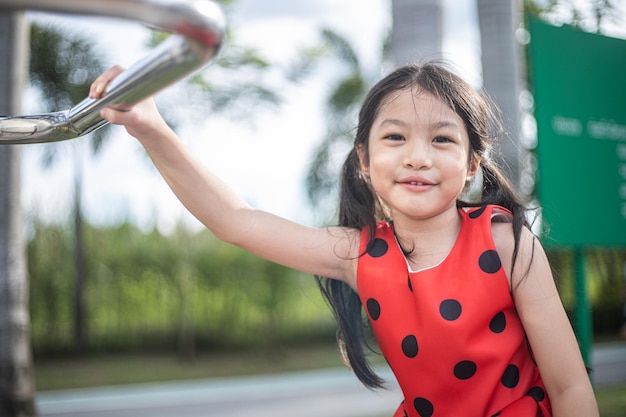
{"x": 579, "y": 85}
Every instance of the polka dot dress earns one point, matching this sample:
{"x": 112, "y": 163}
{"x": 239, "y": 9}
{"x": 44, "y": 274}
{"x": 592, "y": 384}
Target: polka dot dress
{"x": 450, "y": 332}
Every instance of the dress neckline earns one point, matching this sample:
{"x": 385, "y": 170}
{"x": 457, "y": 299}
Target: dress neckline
{"x": 463, "y": 214}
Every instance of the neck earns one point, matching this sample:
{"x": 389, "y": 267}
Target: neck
{"x": 428, "y": 240}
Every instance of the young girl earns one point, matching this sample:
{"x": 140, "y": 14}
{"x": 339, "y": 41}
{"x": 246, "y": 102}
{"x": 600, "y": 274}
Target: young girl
{"x": 460, "y": 296}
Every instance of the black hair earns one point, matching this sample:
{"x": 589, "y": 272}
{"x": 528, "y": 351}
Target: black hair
{"x": 360, "y": 208}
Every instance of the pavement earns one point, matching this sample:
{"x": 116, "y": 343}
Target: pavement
{"x": 609, "y": 364}
{"x": 328, "y": 392}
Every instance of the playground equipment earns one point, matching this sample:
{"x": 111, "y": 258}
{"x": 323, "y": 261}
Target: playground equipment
{"x": 198, "y": 31}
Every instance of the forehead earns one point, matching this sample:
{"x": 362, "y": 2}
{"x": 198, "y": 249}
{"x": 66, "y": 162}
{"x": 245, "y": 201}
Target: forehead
{"x": 416, "y": 104}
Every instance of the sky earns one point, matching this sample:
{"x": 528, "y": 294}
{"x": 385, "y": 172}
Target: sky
{"x": 265, "y": 162}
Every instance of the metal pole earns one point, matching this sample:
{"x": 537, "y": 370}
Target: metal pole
{"x": 582, "y": 312}
{"x": 199, "y": 28}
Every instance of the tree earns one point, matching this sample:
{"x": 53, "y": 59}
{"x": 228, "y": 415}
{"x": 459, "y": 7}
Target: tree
{"x": 16, "y": 367}
{"x": 567, "y": 11}
{"x": 342, "y": 104}
{"x": 62, "y": 66}
{"x": 502, "y": 77}
{"x": 417, "y": 30}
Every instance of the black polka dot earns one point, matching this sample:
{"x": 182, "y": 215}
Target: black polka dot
{"x": 464, "y": 369}
{"x": 377, "y": 248}
{"x": 498, "y": 323}
{"x": 475, "y": 214}
{"x": 450, "y": 309}
{"x": 510, "y": 378}
{"x": 409, "y": 346}
{"x": 410, "y": 284}
{"x": 423, "y": 407}
{"x": 489, "y": 262}
{"x": 537, "y": 393}
{"x": 373, "y": 308}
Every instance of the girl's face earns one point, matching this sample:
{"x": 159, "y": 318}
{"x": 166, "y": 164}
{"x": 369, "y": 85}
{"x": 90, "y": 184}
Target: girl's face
{"x": 418, "y": 157}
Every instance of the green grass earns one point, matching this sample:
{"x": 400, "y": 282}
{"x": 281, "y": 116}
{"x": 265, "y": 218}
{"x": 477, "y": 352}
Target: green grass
{"x": 612, "y": 401}
{"x": 130, "y": 369}
{"x": 96, "y": 371}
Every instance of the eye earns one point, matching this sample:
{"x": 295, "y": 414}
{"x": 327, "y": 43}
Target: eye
{"x": 395, "y": 137}
{"x": 442, "y": 139}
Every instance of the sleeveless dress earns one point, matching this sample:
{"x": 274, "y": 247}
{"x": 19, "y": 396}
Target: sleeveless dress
{"x": 450, "y": 333}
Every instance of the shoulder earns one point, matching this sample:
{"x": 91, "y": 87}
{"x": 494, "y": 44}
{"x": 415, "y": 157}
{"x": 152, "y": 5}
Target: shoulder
{"x": 381, "y": 230}
{"x": 529, "y": 249}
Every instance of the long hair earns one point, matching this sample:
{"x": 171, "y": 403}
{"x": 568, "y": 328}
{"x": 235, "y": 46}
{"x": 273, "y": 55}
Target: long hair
{"x": 360, "y": 208}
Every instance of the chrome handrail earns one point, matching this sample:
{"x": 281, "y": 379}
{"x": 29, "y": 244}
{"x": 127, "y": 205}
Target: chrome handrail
{"x": 199, "y": 29}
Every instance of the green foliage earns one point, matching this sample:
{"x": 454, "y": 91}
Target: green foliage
{"x": 612, "y": 401}
{"x": 254, "y": 80}
{"x": 62, "y": 67}
{"x": 343, "y": 100}
{"x": 577, "y": 14}
{"x": 605, "y": 282}
{"x": 179, "y": 293}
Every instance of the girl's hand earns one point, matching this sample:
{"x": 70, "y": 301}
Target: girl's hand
{"x": 141, "y": 120}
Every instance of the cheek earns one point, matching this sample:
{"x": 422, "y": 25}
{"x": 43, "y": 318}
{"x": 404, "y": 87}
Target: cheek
{"x": 380, "y": 171}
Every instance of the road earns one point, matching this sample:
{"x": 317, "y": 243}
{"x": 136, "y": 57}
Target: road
{"x": 328, "y": 393}
{"x": 609, "y": 364}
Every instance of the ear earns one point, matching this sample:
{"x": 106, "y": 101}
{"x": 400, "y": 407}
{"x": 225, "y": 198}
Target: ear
{"x": 474, "y": 165}
{"x": 363, "y": 159}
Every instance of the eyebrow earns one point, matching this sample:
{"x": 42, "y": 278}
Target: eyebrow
{"x": 397, "y": 122}
{"x": 445, "y": 123}
{"x": 438, "y": 125}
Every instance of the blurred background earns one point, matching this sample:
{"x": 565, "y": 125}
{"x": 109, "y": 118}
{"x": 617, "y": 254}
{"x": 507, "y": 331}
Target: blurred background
{"x": 126, "y": 287}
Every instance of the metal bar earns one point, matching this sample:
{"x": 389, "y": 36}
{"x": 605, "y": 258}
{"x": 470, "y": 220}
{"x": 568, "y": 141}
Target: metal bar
{"x": 199, "y": 30}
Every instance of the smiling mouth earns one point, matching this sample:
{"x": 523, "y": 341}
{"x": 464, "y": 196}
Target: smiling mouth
{"x": 418, "y": 183}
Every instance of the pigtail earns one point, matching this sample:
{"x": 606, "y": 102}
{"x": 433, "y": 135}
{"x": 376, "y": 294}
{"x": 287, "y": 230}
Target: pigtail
{"x": 498, "y": 190}
{"x": 362, "y": 209}
{"x": 347, "y": 309}
{"x": 343, "y": 301}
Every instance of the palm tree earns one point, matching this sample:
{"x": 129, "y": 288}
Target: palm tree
{"x": 16, "y": 366}
{"x": 342, "y": 103}
{"x": 62, "y": 66}
{"x": 417, "y": 30}
{"x": 502, "y": 73}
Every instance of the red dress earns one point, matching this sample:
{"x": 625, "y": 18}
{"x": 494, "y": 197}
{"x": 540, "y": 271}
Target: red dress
{"x": 450, "y": 333}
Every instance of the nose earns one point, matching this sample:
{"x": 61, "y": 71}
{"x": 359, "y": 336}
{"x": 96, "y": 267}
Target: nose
{"x": 418, "y": 154}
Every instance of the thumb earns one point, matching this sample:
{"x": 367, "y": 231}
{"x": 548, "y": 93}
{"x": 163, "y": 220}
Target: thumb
{"x": 111, "y": 115}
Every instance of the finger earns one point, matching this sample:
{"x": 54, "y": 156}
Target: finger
{"x": 99, "y": 85}
{"x": 112, "y": 115}
{"x": 107, "y": 114}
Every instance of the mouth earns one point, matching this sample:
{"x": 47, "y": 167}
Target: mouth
{"x": 416, "y": 182}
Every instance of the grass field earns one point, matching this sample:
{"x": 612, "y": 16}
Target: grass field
{"x": 130, "y": 369}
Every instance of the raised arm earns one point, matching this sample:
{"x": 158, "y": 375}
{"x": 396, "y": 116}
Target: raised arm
{"x": 328, "y": 252}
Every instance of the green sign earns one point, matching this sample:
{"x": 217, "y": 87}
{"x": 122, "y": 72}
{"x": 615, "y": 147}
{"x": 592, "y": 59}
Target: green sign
{"x": 579, "y": 84}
